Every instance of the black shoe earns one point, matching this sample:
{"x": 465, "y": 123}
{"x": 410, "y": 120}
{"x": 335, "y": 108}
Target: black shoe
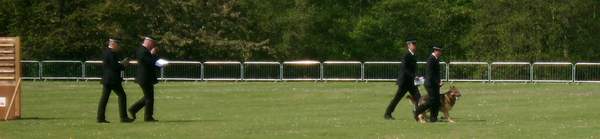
{"x": 388, "y": 117}
{"x": 150, "y": 120}
{"x": 127, "y": 120}
{"x": 132, "y": 113}
{"x": 102, "y": 121}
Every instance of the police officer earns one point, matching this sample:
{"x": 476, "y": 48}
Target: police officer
{"x": 406, "y": 78}
{"x": 111, "y": 81}
{"x": 432, "y": 84}
{"x": 147, "y": 55}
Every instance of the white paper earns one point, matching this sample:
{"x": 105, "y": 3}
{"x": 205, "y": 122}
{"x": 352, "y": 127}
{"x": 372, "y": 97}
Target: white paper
{"x": 419, "y": 81}
{"x": 161, "y": 62}
{"x": 2, "y": 101}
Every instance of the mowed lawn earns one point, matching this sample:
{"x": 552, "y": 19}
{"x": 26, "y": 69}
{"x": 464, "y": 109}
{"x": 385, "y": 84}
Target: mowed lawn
{"x": 307, "y": 110}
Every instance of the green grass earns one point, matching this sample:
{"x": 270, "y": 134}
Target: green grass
{"x": 307, "y": 110}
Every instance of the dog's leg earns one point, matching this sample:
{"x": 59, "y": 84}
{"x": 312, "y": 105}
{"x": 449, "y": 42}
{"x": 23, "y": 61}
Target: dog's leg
{"x": 422, "y": 118}
{"x": 447, "y": 115}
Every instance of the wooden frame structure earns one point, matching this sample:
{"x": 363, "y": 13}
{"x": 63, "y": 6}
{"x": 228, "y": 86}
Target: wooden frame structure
{"x": 10, "y": 78}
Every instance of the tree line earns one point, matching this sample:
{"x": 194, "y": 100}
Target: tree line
{"x": 276, "y": 30}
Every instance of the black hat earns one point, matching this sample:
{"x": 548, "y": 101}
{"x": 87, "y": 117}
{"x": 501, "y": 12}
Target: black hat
{"x": 411, "y": 39}
{"x": 437, "y": 48}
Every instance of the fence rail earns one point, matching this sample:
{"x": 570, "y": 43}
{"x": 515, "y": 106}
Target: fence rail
{"x": 323, "y": 71}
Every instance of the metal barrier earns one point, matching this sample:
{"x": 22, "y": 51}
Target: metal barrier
{"x": 222, "y": 70}
{"x": 468, "y": 71}
{"x": 510, "y": 72}
{"x": 302, "y": 70}
{"x": 552, "y": 72}
{"x": 93, "y": 70}
{"x": 31, "y": 69}
{"x": 323, "y": 71}
{"x": 381, "y": 71}
{"x": 62, "y": 69}
{"x": 342, "y": 70}
{"x": 182, "y": 70}
{"x": 262, "y": 71}
{"x": 587, "y": 72}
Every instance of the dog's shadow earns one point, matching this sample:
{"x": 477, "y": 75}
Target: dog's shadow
{"x": 464, "y": 120}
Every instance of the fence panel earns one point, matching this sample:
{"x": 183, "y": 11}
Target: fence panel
{"x": 302, "y": 70}
{"x": 182, "y": 70}
{"x": 510, "y": 71}
{"x": 56, "y": 69}
{"x": 342, "y": 70}
{"x": 222, "y": 70}
{"x": 262, "y": 71}
{"x": 93, "y": 70}
{"x": 587, "y": 72}
{"x": 552, "y": 72}
{"x": 381, "y": 71}
{"x": 31, "y": 69}
{"x": 468, "y": 71}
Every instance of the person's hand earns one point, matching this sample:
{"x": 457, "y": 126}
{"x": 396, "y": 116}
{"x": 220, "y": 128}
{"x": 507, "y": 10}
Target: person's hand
{"x": 154, "y": 51}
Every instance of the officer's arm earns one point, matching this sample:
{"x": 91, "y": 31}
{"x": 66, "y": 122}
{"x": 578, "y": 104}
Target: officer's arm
{"x": 146, "y": 57}
{"x": 408, "y": 66}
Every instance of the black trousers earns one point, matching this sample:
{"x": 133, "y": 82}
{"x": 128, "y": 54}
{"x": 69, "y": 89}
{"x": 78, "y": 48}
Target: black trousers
{"x": 146, "y": 101}
{"x": 402, "y": 89}
{"x": 118, "y": 89}
{"x": 433, "y": 103}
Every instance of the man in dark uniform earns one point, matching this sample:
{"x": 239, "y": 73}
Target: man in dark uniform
{"x": 432, "y": 84}
{"x": 146, "y": 55}
{"x": 111, "y": 81}
{"x": 406, "y": 78}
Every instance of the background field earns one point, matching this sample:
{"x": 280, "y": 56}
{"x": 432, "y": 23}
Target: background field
{"x": 307, "y": 110}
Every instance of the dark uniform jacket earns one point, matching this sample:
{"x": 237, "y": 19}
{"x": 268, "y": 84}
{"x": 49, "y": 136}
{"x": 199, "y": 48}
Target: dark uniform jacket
{"x": 111, "y": 67}
{"x": 146, "y": 70}
{"x": 432, "y": 72}
{"x": 407, "y": 72}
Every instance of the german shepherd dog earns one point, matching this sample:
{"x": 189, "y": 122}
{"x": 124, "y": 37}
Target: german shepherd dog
{"x": 447, "y": 99}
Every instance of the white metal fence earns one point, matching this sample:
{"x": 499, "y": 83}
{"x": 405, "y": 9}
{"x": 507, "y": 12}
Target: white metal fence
{"x": 323, "y": 71}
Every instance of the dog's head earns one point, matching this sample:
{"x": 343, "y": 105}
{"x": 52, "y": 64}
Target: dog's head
{"x": 454, "y": 92}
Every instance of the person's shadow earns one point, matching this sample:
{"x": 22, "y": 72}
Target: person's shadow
{"x": 39, "y": 118}
{"x": 189, "y": 121}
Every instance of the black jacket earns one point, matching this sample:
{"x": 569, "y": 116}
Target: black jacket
{"x": 111, "y": 67}
{"x": 408, "y": 69}
{"x": 146, "y": 70}
{"x": 432, "y": 72}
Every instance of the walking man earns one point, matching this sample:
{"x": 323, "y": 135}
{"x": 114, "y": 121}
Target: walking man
{"x": 432, "y": 84}
{"x": 146, "y": 55}
{"x": 111, "y": 81}
{"x": 406, "y": 78}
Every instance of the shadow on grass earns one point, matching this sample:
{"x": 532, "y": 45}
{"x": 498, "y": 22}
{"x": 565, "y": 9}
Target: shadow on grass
{"x": 464, "y": 120}
{"x": 188, "y": 121}
{"x": 39, "y": 118}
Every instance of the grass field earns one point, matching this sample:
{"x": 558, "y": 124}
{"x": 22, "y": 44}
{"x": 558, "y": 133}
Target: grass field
{"x": 307, "y": 110}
